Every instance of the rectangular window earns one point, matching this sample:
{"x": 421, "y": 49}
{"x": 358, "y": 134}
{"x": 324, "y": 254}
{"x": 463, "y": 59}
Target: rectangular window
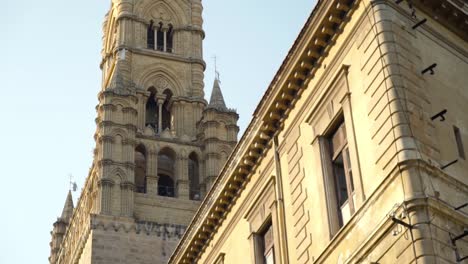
{"x": 342, "y": 174}
{"x": 458, "y": 138}
{"x": 268, "y": 246}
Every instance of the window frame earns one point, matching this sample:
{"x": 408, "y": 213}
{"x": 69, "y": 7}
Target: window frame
{"x": 333, "y": 106}
{"x": 263, "y": 213}
{"x": 343, "y": 151}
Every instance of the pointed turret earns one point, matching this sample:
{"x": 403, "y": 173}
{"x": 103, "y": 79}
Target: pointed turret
{"x": 60, "y": 228}
{"x": 218, "y": 129}
{"x": 217, "y": 99}
{"x": 67, "y": 208}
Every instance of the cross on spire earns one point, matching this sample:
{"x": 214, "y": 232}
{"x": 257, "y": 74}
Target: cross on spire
{"x": 215, "y": 58}
{"x": 73, "y": 185}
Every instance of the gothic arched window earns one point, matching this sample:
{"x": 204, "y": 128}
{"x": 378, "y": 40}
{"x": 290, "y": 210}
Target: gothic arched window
{"x": 140, "y": 169}
{"x": 160, "y": 37}
{"x": 166, "y": 174}
{"x": 151, "y": 116}
{"x": 150, "y": 35}
{"x": 194, "y": 180}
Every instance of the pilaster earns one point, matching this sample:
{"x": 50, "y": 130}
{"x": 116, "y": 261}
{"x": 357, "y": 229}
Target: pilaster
{"x": 182, "y": 176}
{"x": 152, "y": 173}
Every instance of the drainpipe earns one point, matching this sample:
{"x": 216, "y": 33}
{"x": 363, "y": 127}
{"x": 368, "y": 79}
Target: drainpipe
{"x": 281, "y": 215}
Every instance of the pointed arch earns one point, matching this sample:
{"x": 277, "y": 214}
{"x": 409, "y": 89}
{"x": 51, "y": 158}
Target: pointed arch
{"x": 118, "y": 172}
{"x": 166, "y": 11}
{"x": 161, "y": 78}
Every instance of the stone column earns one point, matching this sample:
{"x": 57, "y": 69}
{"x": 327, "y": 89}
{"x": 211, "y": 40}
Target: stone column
{"x": 127, "y": 190}
{"x": 105, "y": 186}
{"x": 106, "y": 145}
{"x": 155, "y": 32}
{"x": 142, "y": 99}
{"x": 152, "y": 173}
{"x": 160, "y": 100}
{"x": 182, "y": 122}
{"x": 182, "y": 177}
{"x": 175, "y": 110}
{"x": 165, "y": 39}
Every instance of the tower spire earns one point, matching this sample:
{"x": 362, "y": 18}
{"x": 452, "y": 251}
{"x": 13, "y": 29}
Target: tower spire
{"x": 217, "y": 99}
{"x": 67, "y": 208}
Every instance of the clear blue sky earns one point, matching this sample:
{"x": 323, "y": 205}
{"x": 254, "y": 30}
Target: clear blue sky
{"x": 50, "y": 78}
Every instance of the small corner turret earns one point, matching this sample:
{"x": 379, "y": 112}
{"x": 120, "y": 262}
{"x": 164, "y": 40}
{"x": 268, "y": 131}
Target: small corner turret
{"x": 60, "y": 228}
{"x": 218, "y": 130}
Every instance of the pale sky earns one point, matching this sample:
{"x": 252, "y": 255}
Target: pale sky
{"x": 50, "y": 77}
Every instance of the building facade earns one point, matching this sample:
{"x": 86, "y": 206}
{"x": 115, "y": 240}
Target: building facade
{"x": 159, "y": 143}
{"x": 356, "y": 151}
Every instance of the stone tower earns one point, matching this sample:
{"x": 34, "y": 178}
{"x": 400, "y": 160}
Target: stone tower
{"x": 60, "y": 227}
{"x": 159, "y": 145}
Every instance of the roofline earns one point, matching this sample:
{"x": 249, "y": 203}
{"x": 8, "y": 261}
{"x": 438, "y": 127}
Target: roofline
{"x": 257, "y": 132}
{"x": 320, "y": 32}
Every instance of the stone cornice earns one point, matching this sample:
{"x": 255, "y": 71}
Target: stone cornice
{"x": 453, "y": 14}
{"x": 182, "y": 99}
{"x": 228, "y": 111}
{"x": 176, "y": 140}
{"x": 313, "y": 43}
{"x": 157, "y": 54}
{"x": 176, "y": 27}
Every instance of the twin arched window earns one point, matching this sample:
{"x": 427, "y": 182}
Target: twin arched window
{"x": 158, "y": 113}
{"x": 160, "y": 37}
{"x": 166, "y": 173}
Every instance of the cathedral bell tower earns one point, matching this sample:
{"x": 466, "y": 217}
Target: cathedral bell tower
{"x": 159, "y": 144}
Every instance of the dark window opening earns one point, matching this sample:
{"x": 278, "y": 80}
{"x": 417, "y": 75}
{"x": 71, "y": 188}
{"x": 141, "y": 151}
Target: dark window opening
{"x": 151, "y": 118}
{"x": 342, "y": 173}
{"x": 166, "y": 186}
{"x": 150, "y": 35}
{"x": 267, "y": 244}
{"x": 166, "y": 113}
{"x": 166, "y": 173}
{"x": 160, "y": 38}
{"x": 170, "y": 37}
{"x": 140, "y": 169}
{"x": 193, "y": 171}
{"x": 458, "y": 138}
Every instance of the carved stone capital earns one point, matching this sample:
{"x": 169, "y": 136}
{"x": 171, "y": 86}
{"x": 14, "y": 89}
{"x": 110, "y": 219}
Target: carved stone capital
{"x": 127, "y": 186}
{"x": 105, "y": 182}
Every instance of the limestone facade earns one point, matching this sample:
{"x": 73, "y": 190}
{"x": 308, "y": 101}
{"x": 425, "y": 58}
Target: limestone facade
{"x": 159, "y": 143}
{"x": 357, "y": 150}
